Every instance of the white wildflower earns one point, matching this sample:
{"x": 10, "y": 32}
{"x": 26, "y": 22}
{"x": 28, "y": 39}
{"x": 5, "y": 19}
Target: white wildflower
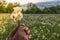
{"x": 59, "y": 24}
{"x": 41, "y": 30}
{"x": 16, "y": 14}
{"x": 58, "y": 35}
{"x": 54, "y": 33}
{"x": 2, "y": 29}
{"x": 43, "y": 36}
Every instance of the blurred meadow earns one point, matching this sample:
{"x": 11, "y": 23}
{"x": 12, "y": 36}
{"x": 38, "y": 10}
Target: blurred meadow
{"x": 42, "y": 18}
{"x": 42, "y": 26}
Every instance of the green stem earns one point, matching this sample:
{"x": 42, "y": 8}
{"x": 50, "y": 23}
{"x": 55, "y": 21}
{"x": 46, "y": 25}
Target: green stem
{"x": 18, "y": 22}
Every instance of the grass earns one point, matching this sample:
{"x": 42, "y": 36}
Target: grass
{"x": 42, "y": 26}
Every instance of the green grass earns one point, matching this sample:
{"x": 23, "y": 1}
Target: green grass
{"x": 42, "y": 26}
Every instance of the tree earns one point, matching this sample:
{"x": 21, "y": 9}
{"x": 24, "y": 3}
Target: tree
{"x": 46, "y": 10}
{"x": 16, "y": 4}
{"x": 2, "y": 9}
{"x": 2, "y": 6}
{"x": 2, "y": 2}
{"x": 10, "y": 7}
{"x": 58, "y": 9}
{"x": 32, "y": 8}
{"x": 53, "y": 10}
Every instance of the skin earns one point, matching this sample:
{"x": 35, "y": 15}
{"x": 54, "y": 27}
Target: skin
{"x": 20, "y": 33}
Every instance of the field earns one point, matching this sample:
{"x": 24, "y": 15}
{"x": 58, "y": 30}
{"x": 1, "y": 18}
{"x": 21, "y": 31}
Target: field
{"x": 42, "y": 26}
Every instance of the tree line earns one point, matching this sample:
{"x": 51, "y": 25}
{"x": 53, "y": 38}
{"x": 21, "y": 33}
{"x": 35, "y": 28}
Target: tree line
{"x": 7, "y": 7}
{"x": 31, "y": 8}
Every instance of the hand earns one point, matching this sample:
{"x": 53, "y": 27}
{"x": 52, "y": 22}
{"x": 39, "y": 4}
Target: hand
{"x": 20, "y": 33}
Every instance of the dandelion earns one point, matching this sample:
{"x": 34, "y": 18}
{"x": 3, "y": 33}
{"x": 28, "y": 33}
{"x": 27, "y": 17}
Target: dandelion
{"x": 16, "y": 14}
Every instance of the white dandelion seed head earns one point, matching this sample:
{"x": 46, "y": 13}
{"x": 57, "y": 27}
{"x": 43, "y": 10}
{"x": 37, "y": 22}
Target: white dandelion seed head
{"x": 17, "y": 15}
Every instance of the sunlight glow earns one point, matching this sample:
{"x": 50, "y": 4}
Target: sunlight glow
{"x": 26, "y": 1}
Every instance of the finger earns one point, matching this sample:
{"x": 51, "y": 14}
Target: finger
{"x": 22, "y": 24}
{"x": 29, "y": 36}
{"x": 27, "y": 31}
{"x": 26, "y": 28}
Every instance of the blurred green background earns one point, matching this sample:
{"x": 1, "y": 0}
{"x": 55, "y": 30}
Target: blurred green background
{"x": 42, "y": 26}
{"x": 31, "y": 8}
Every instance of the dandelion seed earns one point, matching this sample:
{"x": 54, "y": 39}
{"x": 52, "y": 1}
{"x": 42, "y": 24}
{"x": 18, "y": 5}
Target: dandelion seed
{"x": 17, "y": 15}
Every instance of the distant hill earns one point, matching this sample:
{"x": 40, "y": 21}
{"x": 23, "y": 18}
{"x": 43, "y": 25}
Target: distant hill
{"x": 44, "y": 4}
{"x": 48, "y": 4}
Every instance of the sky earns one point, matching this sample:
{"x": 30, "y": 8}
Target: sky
{"x": 26, "y": 1}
